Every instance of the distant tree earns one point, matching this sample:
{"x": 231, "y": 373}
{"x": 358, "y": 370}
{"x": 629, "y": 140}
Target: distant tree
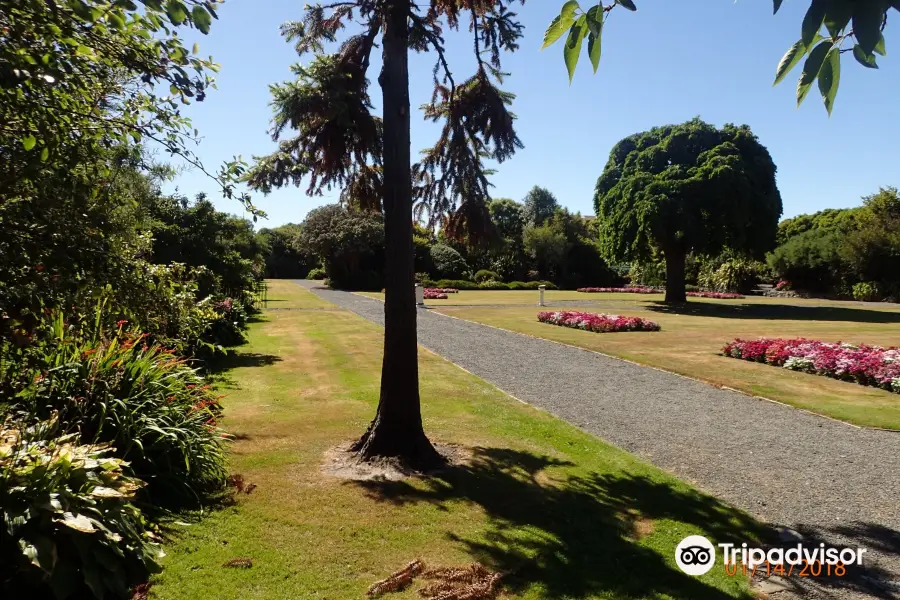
{"x": 811, "y": 261}
{"x": 687, "y": 188}
{"x": 838, "y": 220}
{"x": 349, "y": 242}
{"x": 539, "y": 205}
{"x": 872, "y": 250}
{"x": 285, "y": 255}
{"x": 548, "y": 247}
{"x": 507, "y": 216}
{"x": 196, "y": 234}
{"x": 855, "y": 26}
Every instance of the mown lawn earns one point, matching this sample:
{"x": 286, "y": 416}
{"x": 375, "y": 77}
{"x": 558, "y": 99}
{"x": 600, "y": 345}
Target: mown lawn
{"x": 487, "y": 297}
{"x": 567, "y": 515}
{"x": 692, "y": 337}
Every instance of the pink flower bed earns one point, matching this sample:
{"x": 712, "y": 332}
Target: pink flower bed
{"x": 866, "y": 365}
{"x": 623, "y": 290}
{"x": 433, "y": 294}
{"x": 597, "y": 323}
{"x": 719, "y": 295}
{"x": 442, "y": 290}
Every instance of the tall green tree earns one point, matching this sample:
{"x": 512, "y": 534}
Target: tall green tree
{"x": 830, "y": 28}
{"x": 687, "y": 188}
{"x": 539, "y": 205}
{"x": 339, "y": 142}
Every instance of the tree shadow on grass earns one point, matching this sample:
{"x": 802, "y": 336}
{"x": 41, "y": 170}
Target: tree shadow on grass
{"x": 777, "y": 312}
{"x": 575, "y": 537}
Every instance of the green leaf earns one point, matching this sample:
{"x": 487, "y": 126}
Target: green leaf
{"x": 830, "y": 78}
{"x": 838, "y": 15}
{"x": 627, "y": 4}
{"x": 862, "y": 58}
{"x": 791, "y": 59}
{"x": 573, "y": 45}
{"x": 154, "y": 4}
{"x": 45, "y": 154}
{"x": 196, "y": 48}
{"x": 880, "y": 48}
{"x": 594, "y": 50}
{"x": 777, "y": 6}
{"x": 595, "y": 20}
{"x": 811, "y": 69}
{"x": 116, "y": 20}
{"x": 29, "y": 142}
{"x": 867, "y": 18}
{"x": 812, "y": 22}
{"x": 202, "y": 19}
{"x": 560, "y": 24}
{"x": 177, "y": 11}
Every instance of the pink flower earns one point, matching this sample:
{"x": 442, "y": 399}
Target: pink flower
{"x": 866, "y": 365}
{"x": 598, "y": 323}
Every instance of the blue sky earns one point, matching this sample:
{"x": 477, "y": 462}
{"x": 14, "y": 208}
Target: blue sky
{"x": 667, "y": 63}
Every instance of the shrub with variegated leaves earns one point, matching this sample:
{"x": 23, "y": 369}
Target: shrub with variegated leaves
{"x": 68, "y": 528}
{"x": 156, "y": 411}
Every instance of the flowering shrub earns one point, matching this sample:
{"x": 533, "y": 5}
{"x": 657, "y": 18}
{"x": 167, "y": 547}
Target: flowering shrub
{"x": 624, "y": 290}
{"x": 433, "y": 294}
{"x": 598, "y": 323}
{"x": 866, "y": 365}
{"x": 154, "y": 409}
{"x": 719, "y": 295}
{"x": 783, "y": 284}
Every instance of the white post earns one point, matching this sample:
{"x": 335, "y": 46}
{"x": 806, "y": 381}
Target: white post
{"x": 420, "y": 295}
{"x": 541, "y": 289}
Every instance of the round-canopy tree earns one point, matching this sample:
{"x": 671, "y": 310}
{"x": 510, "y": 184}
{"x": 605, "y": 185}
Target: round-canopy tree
{"x": 687, "y": 188}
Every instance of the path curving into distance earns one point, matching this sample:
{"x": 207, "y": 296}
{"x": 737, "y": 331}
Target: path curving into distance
{"x": 825, "y": 479}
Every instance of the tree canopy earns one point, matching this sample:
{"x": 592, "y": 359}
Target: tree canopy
{"x": 539, "y": 205}
{"x": 687, "y": 188}
{"x": 829, "y": 29}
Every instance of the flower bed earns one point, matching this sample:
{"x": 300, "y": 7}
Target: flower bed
{"x": 598, "y": 323}
{"x": 442, "y": 290}
{"x": 430, "y": 294}
{"x": 719, "y": 295}
{"x": 866, "y": 365}
{"x": 623, "y": 290}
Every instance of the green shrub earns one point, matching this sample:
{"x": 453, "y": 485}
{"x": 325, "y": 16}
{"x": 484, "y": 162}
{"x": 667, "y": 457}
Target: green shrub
{"x": 865, "y": 291}
{"x": 448, "y": 263}
{"x": 485, "y": 275}
{"x": 533, "y": 285}
{"x": 460, "y": 284}
{"x": 154, "y": 409}
{"x": 517, "y": 285}
{"x": 492, "y": 285}
{"x": 68, "y": 528}
{"x": 317, "y": 273}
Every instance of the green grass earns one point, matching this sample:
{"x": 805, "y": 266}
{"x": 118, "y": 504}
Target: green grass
{"x": 568, "y": 515}
{"x": 692, "y": 337}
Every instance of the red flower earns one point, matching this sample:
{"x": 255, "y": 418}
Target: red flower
{"x": 120, "y": 323}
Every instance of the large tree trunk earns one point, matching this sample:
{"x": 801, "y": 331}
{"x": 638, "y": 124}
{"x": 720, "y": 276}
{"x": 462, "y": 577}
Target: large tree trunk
{"x": 675, "y": 276}
{"x": 396, "y": 430}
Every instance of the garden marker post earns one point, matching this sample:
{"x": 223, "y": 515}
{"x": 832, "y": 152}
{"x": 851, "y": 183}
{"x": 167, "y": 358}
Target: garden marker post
{"x": 420, "y": 295}
{"x": 541, "y": 289}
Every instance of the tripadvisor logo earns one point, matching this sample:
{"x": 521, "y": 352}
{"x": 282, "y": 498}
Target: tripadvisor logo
{"x": 695, "y": 555}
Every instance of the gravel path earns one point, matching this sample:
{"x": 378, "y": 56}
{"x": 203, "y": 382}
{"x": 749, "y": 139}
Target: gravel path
{"x": 825, "y": 479}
